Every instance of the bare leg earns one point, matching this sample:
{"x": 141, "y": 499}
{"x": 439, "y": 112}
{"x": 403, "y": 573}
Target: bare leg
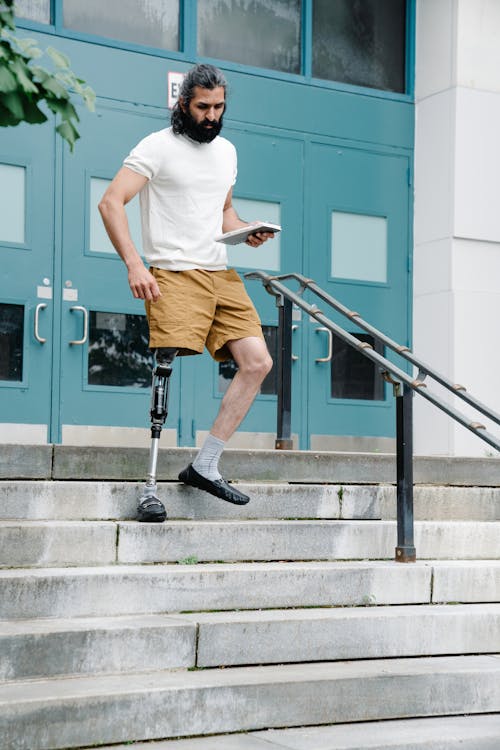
{"x": 254, "y": 363}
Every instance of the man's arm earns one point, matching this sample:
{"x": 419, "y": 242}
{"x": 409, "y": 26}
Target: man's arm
{"x": 122, "y": 189}
{"x": 231, "y": 220}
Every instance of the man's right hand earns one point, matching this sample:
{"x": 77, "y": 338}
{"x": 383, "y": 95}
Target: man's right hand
{"x": 143, "y": 284}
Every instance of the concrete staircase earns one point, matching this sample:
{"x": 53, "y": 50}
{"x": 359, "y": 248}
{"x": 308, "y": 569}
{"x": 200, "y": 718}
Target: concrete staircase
{"x": 281, "y": 624}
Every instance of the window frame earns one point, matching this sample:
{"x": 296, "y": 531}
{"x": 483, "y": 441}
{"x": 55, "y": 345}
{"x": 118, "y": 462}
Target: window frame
{"x": 188, "y": 49}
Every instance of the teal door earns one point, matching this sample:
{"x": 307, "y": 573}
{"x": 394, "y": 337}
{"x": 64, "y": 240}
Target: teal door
{"x": 106, "y": 367}
{"x": 26, "y": 282}
{"x": 357, "y": 212}
{"x": 269, "y": 187}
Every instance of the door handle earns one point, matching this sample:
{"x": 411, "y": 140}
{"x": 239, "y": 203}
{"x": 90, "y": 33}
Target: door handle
{"x": 330, "y": 345}
{"x": 40, "y": 306}
{"x": 79, "y": 342}
{"x": 294, "y": 356}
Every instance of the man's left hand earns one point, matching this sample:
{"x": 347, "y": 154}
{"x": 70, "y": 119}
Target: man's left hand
{"x": 255, "y": 240}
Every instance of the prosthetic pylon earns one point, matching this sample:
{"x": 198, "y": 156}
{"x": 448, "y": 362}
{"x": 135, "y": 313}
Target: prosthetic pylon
{"x": 150, "y": 507}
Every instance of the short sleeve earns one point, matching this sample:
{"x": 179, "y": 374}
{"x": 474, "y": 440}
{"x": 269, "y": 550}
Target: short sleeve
{"x": 145, "y": 157}
{"x": 235, "y": 166}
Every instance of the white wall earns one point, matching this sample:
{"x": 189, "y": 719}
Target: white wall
{"x": 457, "y": 216}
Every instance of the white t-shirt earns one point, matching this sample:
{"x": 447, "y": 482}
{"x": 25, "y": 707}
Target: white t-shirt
{"x": 183, "y": 200}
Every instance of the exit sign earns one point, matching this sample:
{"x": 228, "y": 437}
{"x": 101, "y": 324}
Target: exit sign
{"x": 174, "y": 86}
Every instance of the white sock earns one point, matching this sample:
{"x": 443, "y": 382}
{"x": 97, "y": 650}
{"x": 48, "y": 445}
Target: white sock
{"x": 206, "y": 462}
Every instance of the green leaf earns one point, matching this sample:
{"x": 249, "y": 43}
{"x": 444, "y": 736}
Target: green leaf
{"x": 52, "y": 85}
{"x": 8, "y": 80}
{"x": 32, "y": 114}
{"x": 29, "y": 47}
{"x": 6, "y": 19}
{"x": 89, "y": 97}
{"x": 14, "y": 104}
{"x": 23, "y": 74}
{"x": 59, "y": 58}
{"x": 40, "y": 74}
{"x": 63, "y": 108}
{"x": 68, "y": 131}
{"x": 6, "y": 117}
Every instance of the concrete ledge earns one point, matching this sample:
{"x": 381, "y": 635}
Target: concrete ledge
{"x": 39, "y": 649}
{"x": 120, "y": 590}
{"x": 480, "y": 732}
{"x": 447, "y": 503}
{"x": 130, "y": 464}
{"x": 26, "y": 461}
{"x": 84, "y": 500}
{"x": 107, "y": 500}
{"x": 439, "y": 733}
{"x": 43, "y": 543}
{"x": 63, "y": 713}
{"x": 285, "y": 636}
{"x": 290, "y": 466}
{"x": 457, "y": 581}
{"x": 270, "y": 540}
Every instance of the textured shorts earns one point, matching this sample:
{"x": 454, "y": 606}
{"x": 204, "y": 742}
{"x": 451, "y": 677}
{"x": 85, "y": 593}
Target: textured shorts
{"x": 200, "y": 308}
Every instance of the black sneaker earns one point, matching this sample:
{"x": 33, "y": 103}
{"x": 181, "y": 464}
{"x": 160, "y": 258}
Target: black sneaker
{"x": 218, "y": 487}
{"x": 151, "y": 510}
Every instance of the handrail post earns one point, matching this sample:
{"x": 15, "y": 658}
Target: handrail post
{"x": 405, "y": 551}
{"x": 284, "y": 365}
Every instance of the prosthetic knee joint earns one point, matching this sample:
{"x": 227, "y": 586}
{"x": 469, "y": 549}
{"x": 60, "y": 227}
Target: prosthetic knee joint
{"x": 150, "y": 507}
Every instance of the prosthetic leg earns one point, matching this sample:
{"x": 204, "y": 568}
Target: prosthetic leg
{"x": 150, "y": 508}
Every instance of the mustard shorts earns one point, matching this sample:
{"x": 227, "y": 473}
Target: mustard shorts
{"x": 200, "y": 308}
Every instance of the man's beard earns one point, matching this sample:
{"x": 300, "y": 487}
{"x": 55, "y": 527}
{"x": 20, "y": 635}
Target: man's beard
{"x": 199, "y": 131}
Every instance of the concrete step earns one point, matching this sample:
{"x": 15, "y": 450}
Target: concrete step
{"x": 93, "y": 463}
{"x": 478, "y": 732}
{"x": 148, "y": 589}
{"x": 44, "y": 648}
{"x": 63, "y": 500}
{"x": 302, "y": 540}
{"x": 99, "y": 500}
{"x": 285, "y": 636}
{"x": 47, "y": 543}
{"x": 65, "y": 713}
{"x": 44, "y": 543}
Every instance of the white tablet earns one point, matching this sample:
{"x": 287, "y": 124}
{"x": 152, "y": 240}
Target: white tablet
{"x": 243, "y": 233}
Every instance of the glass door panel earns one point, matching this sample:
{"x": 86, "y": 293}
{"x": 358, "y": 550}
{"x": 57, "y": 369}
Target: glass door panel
{"x": 106, "y": 372}
{"x": 26, "y": 282}
{"x": 358, "y": 212}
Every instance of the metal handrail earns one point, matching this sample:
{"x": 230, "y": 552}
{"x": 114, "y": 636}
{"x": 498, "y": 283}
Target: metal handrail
{"x": 404, "y": 386}
{"x": 416, "y": 384}
{"x": 424, "y": 369}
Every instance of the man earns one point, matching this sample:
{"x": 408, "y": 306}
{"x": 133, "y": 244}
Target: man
{"x": 185, "y": 175}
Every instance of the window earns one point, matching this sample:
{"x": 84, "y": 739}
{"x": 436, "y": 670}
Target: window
{"x": 154, "y": 23}
{"x": 266, "y": 256}
{"x": 265, "y": 33}
{"x": 352, "y": 374}
{"x": 13, "y": 203}
{"x": 118, "y": 350}
{"x": 359, "y": 247}
{"x": 361, "y": 42}
{"x": 34, "y": 10}
{"x": 11, "y": 342}
{"x": 99, "y": 241}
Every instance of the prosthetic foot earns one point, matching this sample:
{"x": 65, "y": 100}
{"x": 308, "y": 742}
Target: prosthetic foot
{"x": 150, "y": 508}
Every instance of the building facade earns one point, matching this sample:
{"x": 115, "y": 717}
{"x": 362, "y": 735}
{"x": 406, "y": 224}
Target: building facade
{"x": 321, "y": 108}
